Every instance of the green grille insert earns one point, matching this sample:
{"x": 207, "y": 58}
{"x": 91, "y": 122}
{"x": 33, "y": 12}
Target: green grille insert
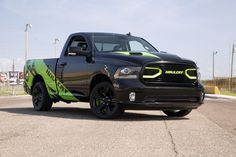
{"x": 159, "y": 72}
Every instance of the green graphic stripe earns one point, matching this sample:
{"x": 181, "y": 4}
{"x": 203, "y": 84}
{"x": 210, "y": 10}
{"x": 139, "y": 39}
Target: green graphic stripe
{"x": 30, "y": 75}
{"x": 147, "y": 54}
{"x": 52, "y": 83}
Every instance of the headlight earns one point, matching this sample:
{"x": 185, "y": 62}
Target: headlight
{"x": 127, "y": 72}
{"x": 198, "y": 74}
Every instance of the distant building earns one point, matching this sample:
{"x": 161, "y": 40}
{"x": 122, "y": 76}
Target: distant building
{"x": 3, "y": 77}
{"x": 12, "y": 77}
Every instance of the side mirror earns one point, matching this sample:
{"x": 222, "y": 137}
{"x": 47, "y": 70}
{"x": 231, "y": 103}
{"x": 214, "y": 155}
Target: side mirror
{"x": 74, "y": 51}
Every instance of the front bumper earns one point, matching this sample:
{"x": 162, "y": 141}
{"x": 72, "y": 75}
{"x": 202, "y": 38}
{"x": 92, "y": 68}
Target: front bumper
{"x": 158, "y": 97}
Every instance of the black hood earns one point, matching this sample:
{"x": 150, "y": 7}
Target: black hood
{"x": 142, "y": 58}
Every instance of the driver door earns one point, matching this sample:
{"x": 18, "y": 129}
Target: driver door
{"x": 73, "y": 70}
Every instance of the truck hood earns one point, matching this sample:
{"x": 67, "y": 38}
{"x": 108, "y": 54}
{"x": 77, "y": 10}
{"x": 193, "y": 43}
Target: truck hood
{"x": 142, "y": 58}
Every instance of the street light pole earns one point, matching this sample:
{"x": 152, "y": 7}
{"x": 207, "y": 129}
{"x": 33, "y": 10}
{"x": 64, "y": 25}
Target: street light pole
{"x": 27, "y": 26}
{"x": 55, "y": 46}
{"x": 13, "y": 66}
{"x": 232, "y": 65}
{"x": 213, "y": 68}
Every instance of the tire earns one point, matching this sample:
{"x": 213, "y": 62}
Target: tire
{"x": 101, "y": 101}
{"x": 40, "y": 98}
{"x": 177, "y": 113}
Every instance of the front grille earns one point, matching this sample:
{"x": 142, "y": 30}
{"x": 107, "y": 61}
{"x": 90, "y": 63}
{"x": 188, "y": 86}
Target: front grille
{"x": 169, "y": 73}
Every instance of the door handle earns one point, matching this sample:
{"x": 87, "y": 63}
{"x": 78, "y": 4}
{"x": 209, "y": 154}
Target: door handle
{"x": 63, "y": 64}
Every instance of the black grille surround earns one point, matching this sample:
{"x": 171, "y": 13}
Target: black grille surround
{"x": 172, "y": 74}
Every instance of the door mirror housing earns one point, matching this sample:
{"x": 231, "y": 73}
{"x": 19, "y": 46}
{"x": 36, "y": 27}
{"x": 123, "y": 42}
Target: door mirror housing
{"x": 78, "y": 51}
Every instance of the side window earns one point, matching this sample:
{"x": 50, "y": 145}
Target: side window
{"x": 136, "y": 46}
{"x": 78, "y": 41}
{"x": 107, "y": 47}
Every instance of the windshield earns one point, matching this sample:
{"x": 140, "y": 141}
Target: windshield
{"x": 112, "y": 43}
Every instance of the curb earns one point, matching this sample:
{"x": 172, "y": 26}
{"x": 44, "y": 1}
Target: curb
{"x": 219, "y": 96}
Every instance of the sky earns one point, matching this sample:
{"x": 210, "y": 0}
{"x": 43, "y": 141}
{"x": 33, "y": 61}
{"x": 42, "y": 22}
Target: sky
{"x": 191, "y": 29}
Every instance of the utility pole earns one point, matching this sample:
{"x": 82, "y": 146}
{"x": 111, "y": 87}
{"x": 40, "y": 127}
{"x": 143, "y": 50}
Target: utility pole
{"x": 55, "y": 46}
{"x": 27, "y": 26}
{"x": 213, "y": 66}
{"x": 13, "y": 66}
{"x": 232, "y": 65}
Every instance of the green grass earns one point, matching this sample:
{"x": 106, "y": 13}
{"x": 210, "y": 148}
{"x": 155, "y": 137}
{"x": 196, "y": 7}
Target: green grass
{"x": 227, "y": 93}
{"x": 12, "y": 90}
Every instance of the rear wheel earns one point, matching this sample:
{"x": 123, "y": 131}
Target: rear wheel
{"x": 177, "y": 113}
{"x": 101, "y": 101}
{"x": 40, "y": 97}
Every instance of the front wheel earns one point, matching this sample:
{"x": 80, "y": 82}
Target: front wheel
{"x": 40, "y": 97}
{"x": 177, "y": 113}
{"x": 101, "y": 101}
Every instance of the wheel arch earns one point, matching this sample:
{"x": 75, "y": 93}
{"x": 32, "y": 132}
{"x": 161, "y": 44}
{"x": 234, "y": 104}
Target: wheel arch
{"x": 98, "y": 79}
{"x": 37, "y": 78}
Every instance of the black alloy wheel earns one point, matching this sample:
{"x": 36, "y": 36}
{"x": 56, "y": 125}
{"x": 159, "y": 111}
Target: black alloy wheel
{"x": 40, "y": 98}
{"x": 102, "y": 101}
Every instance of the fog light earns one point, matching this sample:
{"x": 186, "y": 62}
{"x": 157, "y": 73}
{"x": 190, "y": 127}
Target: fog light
{"x": 132, "y": 96}
{"x": 202, "y": 97}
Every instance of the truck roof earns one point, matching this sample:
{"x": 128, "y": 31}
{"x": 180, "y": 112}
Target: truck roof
{"x": 100, "y": 33}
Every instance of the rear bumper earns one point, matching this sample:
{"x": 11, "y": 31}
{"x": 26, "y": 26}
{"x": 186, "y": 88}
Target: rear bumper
{"x": 160, "y": 98}
{"x": 26, "y": 88}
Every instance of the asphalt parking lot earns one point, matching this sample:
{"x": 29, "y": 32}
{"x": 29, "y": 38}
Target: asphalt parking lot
{"x": 72, "y": 130}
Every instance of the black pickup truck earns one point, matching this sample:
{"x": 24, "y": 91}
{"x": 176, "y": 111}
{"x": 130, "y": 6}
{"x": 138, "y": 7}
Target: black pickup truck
{"x": 114, "y": 72}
